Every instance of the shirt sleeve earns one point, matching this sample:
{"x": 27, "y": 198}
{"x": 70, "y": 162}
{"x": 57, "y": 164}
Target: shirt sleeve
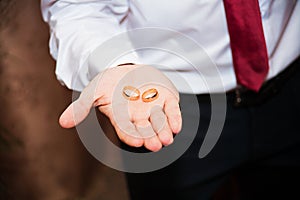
{"x": 77, "y": 28}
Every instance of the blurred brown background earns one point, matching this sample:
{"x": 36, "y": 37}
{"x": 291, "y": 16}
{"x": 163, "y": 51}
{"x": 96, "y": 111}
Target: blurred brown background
{"x": 39, "y": 159}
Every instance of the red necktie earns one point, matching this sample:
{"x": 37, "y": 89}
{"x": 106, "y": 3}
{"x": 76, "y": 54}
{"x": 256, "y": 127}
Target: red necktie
{"x": 248, "y": 45}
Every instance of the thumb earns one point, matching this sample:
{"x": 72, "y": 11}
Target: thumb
{"x": 77, "y": 111}
{"x": 74, "y": 114}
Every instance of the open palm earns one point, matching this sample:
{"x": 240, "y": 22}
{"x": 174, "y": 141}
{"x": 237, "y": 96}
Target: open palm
{"x": 141, "y": 103}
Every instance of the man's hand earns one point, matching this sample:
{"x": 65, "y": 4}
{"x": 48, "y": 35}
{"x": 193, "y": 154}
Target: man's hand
{"x": 141, "y": 103}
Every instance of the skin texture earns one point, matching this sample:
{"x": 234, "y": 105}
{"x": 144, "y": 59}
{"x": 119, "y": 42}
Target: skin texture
{"x": 137, "y": 122}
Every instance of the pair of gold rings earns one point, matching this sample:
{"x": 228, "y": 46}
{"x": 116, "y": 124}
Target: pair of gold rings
{"x": 133, "y": 94}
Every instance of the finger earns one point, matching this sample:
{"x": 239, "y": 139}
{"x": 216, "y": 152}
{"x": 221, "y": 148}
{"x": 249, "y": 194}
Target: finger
{"x": 160, "y": 125}
{"x": 125, "y": 129}
{"x": 151, "y": 140}
{"x": 173, "y": 114}
{"x": 79, "y": 109}
{"x": 74, "y": 114}
{"x": 129, "y": 135}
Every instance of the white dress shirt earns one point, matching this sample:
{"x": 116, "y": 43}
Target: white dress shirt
{"x": 78, "y": 27}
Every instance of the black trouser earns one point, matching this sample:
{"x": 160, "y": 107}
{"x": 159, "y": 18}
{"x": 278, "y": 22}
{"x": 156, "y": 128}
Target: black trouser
{"x": 259, "y": 144}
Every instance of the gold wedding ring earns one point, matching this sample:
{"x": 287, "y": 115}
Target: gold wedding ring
{"x": 150, "y": 95}
{"x": 131, "y": 93}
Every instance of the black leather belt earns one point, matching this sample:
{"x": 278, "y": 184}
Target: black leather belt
{"x": 241, "y": 97}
